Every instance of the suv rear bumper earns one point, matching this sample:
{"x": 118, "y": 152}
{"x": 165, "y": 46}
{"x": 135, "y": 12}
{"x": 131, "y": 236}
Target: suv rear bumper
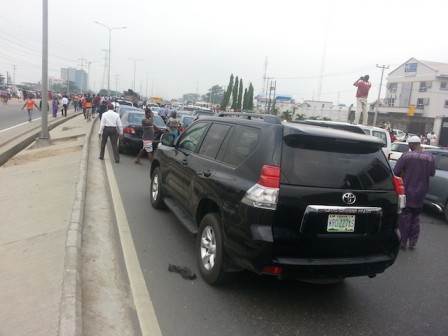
{"x": 369, "y": 265}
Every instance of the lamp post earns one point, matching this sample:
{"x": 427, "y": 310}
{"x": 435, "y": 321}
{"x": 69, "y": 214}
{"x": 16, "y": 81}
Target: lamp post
{"x": 135, "y": 66}
{"x": 110, "y": 40}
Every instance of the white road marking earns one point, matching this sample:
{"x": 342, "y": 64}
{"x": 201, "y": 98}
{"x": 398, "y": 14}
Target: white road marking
{"x": 143, "y": 304}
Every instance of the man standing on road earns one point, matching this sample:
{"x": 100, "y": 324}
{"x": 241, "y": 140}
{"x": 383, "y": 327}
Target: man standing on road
{"x": 362, "y": 93}
{"x": 64, "y": 102}
{"x": 112, "y": 127}
{"x": 415, "y": 167}
{"x": 30, "y": 106}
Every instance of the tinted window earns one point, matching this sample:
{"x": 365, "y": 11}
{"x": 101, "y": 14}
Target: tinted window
{"x": 189, "y": 140}
{"x": 442, "y": 163}
{"x": 381, "y": 135}
{"x": 158, "y": 121}
{"x": 135, "y": 118}
{"x": 397, "y": 147}
{"x": 334, "y": 163}
{"x": 243, "y": 142}
{"x": 214, "y": 140}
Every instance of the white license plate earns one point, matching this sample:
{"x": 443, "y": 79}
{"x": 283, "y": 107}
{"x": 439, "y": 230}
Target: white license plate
{"x": 341, "y": 223}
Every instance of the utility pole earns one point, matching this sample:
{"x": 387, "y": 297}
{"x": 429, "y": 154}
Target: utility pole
{"x": 379, "y": 92}
{"x": 117, "y": 80}
{"x": 135, "y": 67}
{"x": 14, "y": 74}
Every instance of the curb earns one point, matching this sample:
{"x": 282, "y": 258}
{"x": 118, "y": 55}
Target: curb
{"x": 70, "y": 310}
{"x": 28, "y": 140}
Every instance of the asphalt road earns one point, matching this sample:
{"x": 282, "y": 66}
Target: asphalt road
{"x": 12, "y": 114}
{"x": 410, "y": 298}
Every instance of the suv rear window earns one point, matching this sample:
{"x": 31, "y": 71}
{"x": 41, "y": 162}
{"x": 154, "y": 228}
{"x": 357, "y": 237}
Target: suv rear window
{"x": 330, "y": 163}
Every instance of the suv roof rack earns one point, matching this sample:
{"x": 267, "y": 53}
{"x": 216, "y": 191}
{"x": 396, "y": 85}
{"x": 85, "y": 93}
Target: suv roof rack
{"x": 265, "y": 117}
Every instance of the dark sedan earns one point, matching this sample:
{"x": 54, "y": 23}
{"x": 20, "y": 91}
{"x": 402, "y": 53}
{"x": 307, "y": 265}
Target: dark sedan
{"x": 133, "y": 130}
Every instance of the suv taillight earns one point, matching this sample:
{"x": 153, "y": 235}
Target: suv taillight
{"x": 399, "y": 189}
{"x": 264, "y": 194}
{"x": 269, "y": 177}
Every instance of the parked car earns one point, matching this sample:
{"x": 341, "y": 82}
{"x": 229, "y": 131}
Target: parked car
{"x": 333, "y": 124}
{"x": 133, "y": 131}
{"x": 125, "y": 108}
{"x": 399, "y": 135}
{"x": 382, "y": 134}
{"x": 437, "y": 196}
{"x": 400, "y": 147}
{"x": 203, "y": 112}
{"x": 285, "y": 199}
{"x": 185, "y": 121}
{"x": 124, "y": 102}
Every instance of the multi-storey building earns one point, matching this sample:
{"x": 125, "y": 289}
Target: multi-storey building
{"x": 416, "y": 97}
{"x": 79, "y": 77}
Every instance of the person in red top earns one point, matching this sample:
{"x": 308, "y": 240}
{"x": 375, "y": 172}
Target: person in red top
{"x": 362, "y": 93}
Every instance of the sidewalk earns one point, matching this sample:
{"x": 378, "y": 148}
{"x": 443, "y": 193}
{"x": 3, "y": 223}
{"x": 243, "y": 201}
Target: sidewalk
{"x": 41, "y": 207}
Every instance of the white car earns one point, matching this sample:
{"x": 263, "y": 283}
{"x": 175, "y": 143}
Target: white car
{"x": 399, "y": 134}
{"x": 381, "y": 133}
{"x": 400, "y": 147}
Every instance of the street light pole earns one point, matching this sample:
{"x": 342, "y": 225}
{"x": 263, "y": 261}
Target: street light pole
{"x": 44, "y": 139}
{"x": 110, "y": 43}
{"x": 135, "y": 66}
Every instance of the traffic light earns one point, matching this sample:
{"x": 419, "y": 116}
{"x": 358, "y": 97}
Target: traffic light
{"x": 411, "y": 110}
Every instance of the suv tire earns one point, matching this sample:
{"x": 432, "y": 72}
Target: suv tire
{"x": 156, "y": 194}
{"x": 210, "y": 251}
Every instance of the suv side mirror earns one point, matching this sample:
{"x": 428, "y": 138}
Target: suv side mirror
{"x": 168, "y": 139}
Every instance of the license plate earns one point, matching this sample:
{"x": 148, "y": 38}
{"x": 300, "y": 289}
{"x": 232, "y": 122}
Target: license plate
{"x": 341, "y": 223}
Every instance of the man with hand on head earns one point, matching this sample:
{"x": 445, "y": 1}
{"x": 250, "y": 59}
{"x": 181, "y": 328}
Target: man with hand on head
{"x": 362, "y": 93}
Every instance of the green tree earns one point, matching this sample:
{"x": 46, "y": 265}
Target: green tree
{"x": 234, "y": 105}
{"x": 250, "y": 98}
{"x": 215, "y": 95}
{"x": 227, "y": 94}
{"x": 287, "y": 115}
{"x": 239, "y": 104}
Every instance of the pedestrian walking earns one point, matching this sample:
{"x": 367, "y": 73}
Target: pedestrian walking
{"x": 362, "y": 93}
{"x": 415, "y": 167}
{"x": 433, "y": 140}
{"x": 64, "y": 102}
{"x": 30, "y": 106}
{"x": 103, "y": 108}
{"x": 147, "y": 137}
{"x": 173, "y": 124}
{"x": 110, "y": 127}
{"x": 89, "y": 105}
{"x": 55, "y": 106}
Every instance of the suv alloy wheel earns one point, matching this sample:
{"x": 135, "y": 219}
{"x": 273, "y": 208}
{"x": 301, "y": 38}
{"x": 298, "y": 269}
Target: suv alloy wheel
{"x": 210, "y": 251}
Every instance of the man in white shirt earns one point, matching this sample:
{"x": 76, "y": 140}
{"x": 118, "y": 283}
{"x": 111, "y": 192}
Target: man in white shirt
{"x": 64, "y": 102}
{"x": 112, "y": 127}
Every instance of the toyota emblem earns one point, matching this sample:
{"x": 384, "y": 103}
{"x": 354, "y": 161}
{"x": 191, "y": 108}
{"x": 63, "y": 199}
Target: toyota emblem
{"x": 349, "y": 198}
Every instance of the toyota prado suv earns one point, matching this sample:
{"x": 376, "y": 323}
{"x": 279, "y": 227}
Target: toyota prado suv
{"x": 285, "y": 199}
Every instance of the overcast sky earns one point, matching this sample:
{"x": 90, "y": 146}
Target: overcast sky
{"x": 180, "y": 46}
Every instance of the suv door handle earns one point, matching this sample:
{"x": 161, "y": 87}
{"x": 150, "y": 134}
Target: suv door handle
{"x": 184, "y": 162}
{"x": 205, "y": 173}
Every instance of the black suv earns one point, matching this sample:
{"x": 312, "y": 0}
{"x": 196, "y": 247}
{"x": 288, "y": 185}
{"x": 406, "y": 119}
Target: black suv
{"x": 286, "y": 199}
